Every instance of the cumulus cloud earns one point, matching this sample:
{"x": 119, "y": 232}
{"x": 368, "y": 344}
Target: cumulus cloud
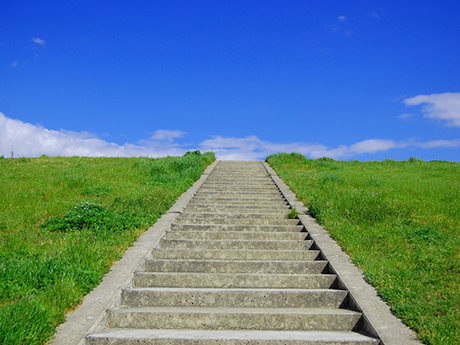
{"x": 442, "y": 106}
{"x": 252, "y": 148}
{"x": 29, "y": 140}
{"x": 39, "y": 41}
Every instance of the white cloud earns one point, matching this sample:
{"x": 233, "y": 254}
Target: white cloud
{"x": 15, "y": 64}
{"x": 252, "y": 148}
{"x": 39, "y": 41}
{"x": 442, "y": 106}
{"x": 374, "y": 15}
{"x": 32, "y": 141}
{"x": 341, "y": 18}
{"x": 406, "y": 116}
{"x": 167, "y": 135}
{"x": 439, "y": 143}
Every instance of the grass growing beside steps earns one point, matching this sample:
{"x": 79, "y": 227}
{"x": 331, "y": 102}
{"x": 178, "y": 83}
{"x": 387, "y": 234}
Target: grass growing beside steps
{"x": 400, "y": 223}
{"x": 65, "y": 221}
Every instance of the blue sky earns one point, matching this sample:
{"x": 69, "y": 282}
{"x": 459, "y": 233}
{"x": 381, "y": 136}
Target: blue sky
{"x": 366, "y": 80}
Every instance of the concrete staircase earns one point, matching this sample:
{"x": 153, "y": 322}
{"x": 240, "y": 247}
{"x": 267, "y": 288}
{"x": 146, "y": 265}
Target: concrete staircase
{"x": 234, "y": 269}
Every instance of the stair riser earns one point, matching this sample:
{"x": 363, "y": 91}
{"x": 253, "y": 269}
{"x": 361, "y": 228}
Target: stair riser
{"x": 273, "y": 255}
{"x": 233, "y": 299}
{"x": 228, "y": 185}
{"x": 279, "y": 212}
{"x": 220, "y": 235}
{"x": 232, "y": 280}
{"x": 242, "y": 193}
{"x": 223, "y": 341}
{"x": 189, "y": 216}
{"x": 230, "y": 221}
{"x": 223, "y": 266}
{"x": 238, "y": 202}
{"x": 221, "y": 321}
{"x": 264, "y": 190}
{"x": 234, "y": 244}
{"x": 244, "y": 228}
{"x": 236, "y": 208}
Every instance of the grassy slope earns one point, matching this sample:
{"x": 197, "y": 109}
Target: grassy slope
{"x": 44, "y": 272}
{"x": 400, "y": 223}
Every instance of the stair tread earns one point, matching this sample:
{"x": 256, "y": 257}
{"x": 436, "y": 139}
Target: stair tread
{"x": 218, "y": 290}
{"x": 246, "y": 335}
{"x": 246, "y": 310}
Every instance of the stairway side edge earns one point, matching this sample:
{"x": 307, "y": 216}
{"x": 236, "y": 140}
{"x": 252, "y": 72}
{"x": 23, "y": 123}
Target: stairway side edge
{"x": 378, "y": 320}
{"x": 90, "y": 315}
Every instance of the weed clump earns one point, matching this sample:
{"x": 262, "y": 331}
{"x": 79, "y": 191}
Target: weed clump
{"x": 94, "y": 217}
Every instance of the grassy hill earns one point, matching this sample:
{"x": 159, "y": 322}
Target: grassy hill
{"x": 400, "y": 223}
{"x": 65, "y": 221}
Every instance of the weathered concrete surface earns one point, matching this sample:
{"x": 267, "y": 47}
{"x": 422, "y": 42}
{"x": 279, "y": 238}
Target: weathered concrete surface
{"x": 193, "y": 337}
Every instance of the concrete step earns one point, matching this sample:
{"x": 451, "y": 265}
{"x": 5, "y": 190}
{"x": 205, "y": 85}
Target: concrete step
{"x": 237, "y": 227}
{"x": 194, "y": 337}
{"x": 240, "y": 254}
{"x": 235, "y": 208}
{"x": 235, "y": 266}
{"x": 232, "y": 298}
{"x": 197, "y": 200}
{"x": 295, "y": 319}
{"x": 280, "y": 211}
{"x": 229, "y": 221}
{"x": 251, "y": 193}
{"x": 233, "y": 269}
{"x": 250, "y": 199}
{"x": 233, "y": 183}
{"x": 212, "y": 215}
{"x": 239, "y": 187}
{"x": 234, "y": 280}
{"x": 234, "y": 244}
{"x": 235, "y": 235}
{"x": 235, "y": 204}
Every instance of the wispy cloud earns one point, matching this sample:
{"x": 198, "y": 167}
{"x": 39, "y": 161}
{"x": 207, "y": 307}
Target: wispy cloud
{"x": 441, "y": 106}
{"x": 438, "y": 143}
{"x": 374, "y": 15}
{"x": 340, "y": 26}
{"x": 167, "y": 135}
{"x": 39, "y": 41}
{"x": 406, "y": 116}
{"x": 15, "y": 64}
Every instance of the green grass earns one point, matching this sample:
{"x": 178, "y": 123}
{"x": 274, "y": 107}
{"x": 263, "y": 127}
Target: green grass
{"x": 65, "y": 221}
{"x": 400, "y": 223}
